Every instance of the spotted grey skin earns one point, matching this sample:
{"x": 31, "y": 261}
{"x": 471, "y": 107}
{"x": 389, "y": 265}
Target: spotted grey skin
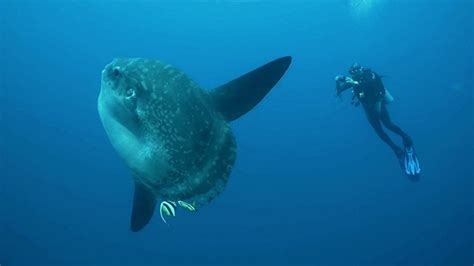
{"x": 172, "y": 134}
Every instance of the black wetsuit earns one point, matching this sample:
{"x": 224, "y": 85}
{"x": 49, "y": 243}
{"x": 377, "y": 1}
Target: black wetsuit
{"x": 370, "y": 92}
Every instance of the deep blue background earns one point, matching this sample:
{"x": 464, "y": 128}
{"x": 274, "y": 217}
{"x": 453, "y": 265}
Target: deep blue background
{"x": 312, "y": 183}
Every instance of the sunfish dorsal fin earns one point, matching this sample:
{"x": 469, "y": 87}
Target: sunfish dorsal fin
{"x": 144, "y": 203}
{"x": 240, "y": 95}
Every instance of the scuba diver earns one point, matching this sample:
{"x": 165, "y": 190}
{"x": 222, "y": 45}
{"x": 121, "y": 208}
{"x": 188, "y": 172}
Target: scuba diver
{"x": 368, "y": 91}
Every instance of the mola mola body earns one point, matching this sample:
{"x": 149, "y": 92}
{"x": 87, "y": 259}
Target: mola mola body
{"x": 172, "y": 134}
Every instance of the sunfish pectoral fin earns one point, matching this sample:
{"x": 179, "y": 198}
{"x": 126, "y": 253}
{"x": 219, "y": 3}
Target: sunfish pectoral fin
{"x": 240, "y": 95}
{"x": 144, "y": 203}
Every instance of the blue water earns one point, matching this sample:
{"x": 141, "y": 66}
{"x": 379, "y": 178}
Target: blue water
{"x": 312, "y": 183}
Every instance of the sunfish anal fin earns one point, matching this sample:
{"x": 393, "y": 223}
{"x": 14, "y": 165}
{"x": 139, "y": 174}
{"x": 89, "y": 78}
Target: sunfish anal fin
{"x": 144, "y": 203}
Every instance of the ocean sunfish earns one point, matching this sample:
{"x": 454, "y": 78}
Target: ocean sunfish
{"x": 172, "y": 134}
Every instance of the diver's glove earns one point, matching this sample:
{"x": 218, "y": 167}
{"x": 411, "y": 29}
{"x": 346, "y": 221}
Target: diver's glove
{"x": 350, "y": 81}
{"x": 343, "y": 83}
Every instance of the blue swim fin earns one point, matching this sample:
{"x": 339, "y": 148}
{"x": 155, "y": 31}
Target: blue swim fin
{"x": 410, "y": 163}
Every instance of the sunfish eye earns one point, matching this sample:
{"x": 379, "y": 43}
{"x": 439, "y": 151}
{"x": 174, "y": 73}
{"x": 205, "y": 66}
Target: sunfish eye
{"x": 116, "y": 72}
{"x": 130, "y": 93}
